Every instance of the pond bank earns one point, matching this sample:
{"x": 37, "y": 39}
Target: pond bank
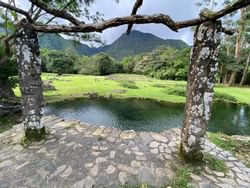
{"x": 148, "y": 115}
{"x": 79, "y": 155}
{"x": 129, "y": 86}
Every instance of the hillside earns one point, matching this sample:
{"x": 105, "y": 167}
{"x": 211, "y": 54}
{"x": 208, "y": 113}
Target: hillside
{"x": 125, "y": 45}
{"x": 134, "y": 43}
{"x": 137, "y": 42}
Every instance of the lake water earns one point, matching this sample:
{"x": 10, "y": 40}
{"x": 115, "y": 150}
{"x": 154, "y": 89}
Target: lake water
{"x": 148, "y": 115}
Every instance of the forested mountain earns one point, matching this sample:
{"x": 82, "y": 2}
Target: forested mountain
{"x": 126, "y": 45}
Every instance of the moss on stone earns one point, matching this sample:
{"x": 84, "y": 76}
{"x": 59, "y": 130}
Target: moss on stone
{"x": 195, "y": 156}
{"x": 181, "y": 179}
{"x": 35, "y": 134}
{"x": 239, "y": 148}
{"x": 215, "y": 164}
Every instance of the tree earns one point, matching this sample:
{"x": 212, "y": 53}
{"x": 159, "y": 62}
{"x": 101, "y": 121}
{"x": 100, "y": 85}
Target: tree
{"x": 105, "y": 63}
{"x": 60, "y": 62}
{"x": 201, "y": 80}
{"x": 8, "y": 69}
{"x": 241, "y": 41}
{"x": 30, "y": 64}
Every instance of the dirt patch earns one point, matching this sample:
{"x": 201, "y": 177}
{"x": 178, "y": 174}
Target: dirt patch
{"x": 119, "y": 91}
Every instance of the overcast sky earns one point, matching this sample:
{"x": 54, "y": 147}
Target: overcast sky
{"x": 177, "y": 9}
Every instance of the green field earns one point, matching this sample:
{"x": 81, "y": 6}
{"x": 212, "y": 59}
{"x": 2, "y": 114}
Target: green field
{"x": 125, "y": 86}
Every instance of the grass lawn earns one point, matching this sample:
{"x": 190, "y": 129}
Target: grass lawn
{"x": 125, "y": 86}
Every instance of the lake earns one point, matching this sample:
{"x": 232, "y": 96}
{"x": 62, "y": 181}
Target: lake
{"x": 149, "y": 115}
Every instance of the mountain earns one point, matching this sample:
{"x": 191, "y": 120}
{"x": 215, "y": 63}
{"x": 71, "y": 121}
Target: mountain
{"x": 137, "y": 42}
{"x": 134, "y": 43}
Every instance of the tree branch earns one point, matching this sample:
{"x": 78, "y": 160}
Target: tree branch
{"x": 18, "y": 10}
{"x": 56, "y": 12}
{"x": 137, "y": 5}
{"x": 141, "y": 19}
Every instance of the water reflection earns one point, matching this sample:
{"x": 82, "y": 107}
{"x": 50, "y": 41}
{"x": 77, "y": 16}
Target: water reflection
{"x": 148, "y": 115}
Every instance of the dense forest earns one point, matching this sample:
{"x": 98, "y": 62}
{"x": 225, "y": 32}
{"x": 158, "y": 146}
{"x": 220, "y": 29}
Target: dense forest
{"x": 162, "y": 63}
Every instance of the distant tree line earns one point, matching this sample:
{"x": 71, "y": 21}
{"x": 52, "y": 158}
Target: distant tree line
{"x": 162, "y": 63}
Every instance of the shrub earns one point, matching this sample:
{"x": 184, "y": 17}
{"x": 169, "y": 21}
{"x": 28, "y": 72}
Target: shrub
{"x": 224, "y": 97}
{"x": 129, "y": 84}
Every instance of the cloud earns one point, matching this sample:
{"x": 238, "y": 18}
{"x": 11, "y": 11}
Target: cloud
{"x": 177, "y": 9}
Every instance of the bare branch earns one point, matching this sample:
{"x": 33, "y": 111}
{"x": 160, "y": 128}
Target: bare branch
{"x": 137, "y": 5}
{"x": 99, "y": 27}
{"x": 18, "y": 10}
{"x": 228, "y": 31}
{"x": 141, "y": 19}
{"x": 64, "y": 8}
{"x": 56, "y": 12}
{"x": 7, "y": 46}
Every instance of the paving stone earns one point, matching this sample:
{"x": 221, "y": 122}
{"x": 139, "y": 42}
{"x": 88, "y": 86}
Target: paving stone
{"x": 219, "y": 174}
{"x": 128, "y": 134}
{"x": 94, "y": 171}
{"x": 6, "y": 163}
{"x": 207, "y": 185}
{"x": 79, "y": 184}
{"x": 112, "y": 154}
{"x": 88, "y": 156}
{"x": 159, "y": 137}
{"x": 210, "y": 177}
{"x": 111, "y": 169}
{"x": 136, "y": 164}
{"x": 228, "y": 181}
{"x": 88, "y": 182}
{"x": 195, "y": 177}
{"x": 242, "y": 177}
{"x": 111, "y": 139}
{"x": 128, "y": 169}
{"x": 67, "y": 172}
{"x": 138, "y": 153}
{"x": 146, "y": 176}
{"x": 243, "y": 183}
{"x": 236, "y": 169}
{"x": 101, "y": 160}
{"x": 141, "y": 158}
{"x": 154, "y": 144}
{"x": 127, "y": 151}
{"x": 58, "y": 171}
{"x": 161, "y": 149}
{"x": 154, "y": 151}
{"x": 136, "y": 148}
{"x": 123, "y": 178}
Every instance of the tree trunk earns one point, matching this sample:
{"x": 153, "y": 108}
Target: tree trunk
{"x": 244, "y": 76}
{"x": 29, "y": 70}
{"x": 6, "y": 91}
{"x": 225, "y": 78}
{"x": 237, "y": 50}
{"x": 200, "y": 85}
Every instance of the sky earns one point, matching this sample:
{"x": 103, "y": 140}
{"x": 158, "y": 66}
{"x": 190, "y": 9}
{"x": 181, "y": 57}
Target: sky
{"x": 177, "y": 9}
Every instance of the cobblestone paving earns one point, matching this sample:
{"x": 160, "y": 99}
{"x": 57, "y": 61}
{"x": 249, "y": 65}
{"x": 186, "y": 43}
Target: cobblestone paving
{"x": 79, "y": 155}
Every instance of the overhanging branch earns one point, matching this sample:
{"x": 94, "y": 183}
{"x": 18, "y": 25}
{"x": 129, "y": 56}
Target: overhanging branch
{"x": 56, "y": 12}
{"x": 142, "y": 19}
{"x": 18, "y": 10}
{"x": 137, "y": 5}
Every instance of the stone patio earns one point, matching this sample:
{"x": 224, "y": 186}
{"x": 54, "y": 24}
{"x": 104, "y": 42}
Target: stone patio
{"x": 80, "y": 155}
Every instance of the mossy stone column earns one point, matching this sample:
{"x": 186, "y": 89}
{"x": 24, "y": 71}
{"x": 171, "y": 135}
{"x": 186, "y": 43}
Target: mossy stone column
{"x": 200, "y": 89}
{"x": 29, "y": 70}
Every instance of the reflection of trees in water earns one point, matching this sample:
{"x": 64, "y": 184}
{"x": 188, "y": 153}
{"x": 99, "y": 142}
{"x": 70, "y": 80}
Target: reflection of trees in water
{"x": 230, "y": 118}
{"x": 150, "y": 115}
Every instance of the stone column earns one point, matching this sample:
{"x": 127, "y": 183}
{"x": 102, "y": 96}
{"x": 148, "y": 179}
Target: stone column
{"x": 200, "y": 89}
{"x": 29, "y": 70}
